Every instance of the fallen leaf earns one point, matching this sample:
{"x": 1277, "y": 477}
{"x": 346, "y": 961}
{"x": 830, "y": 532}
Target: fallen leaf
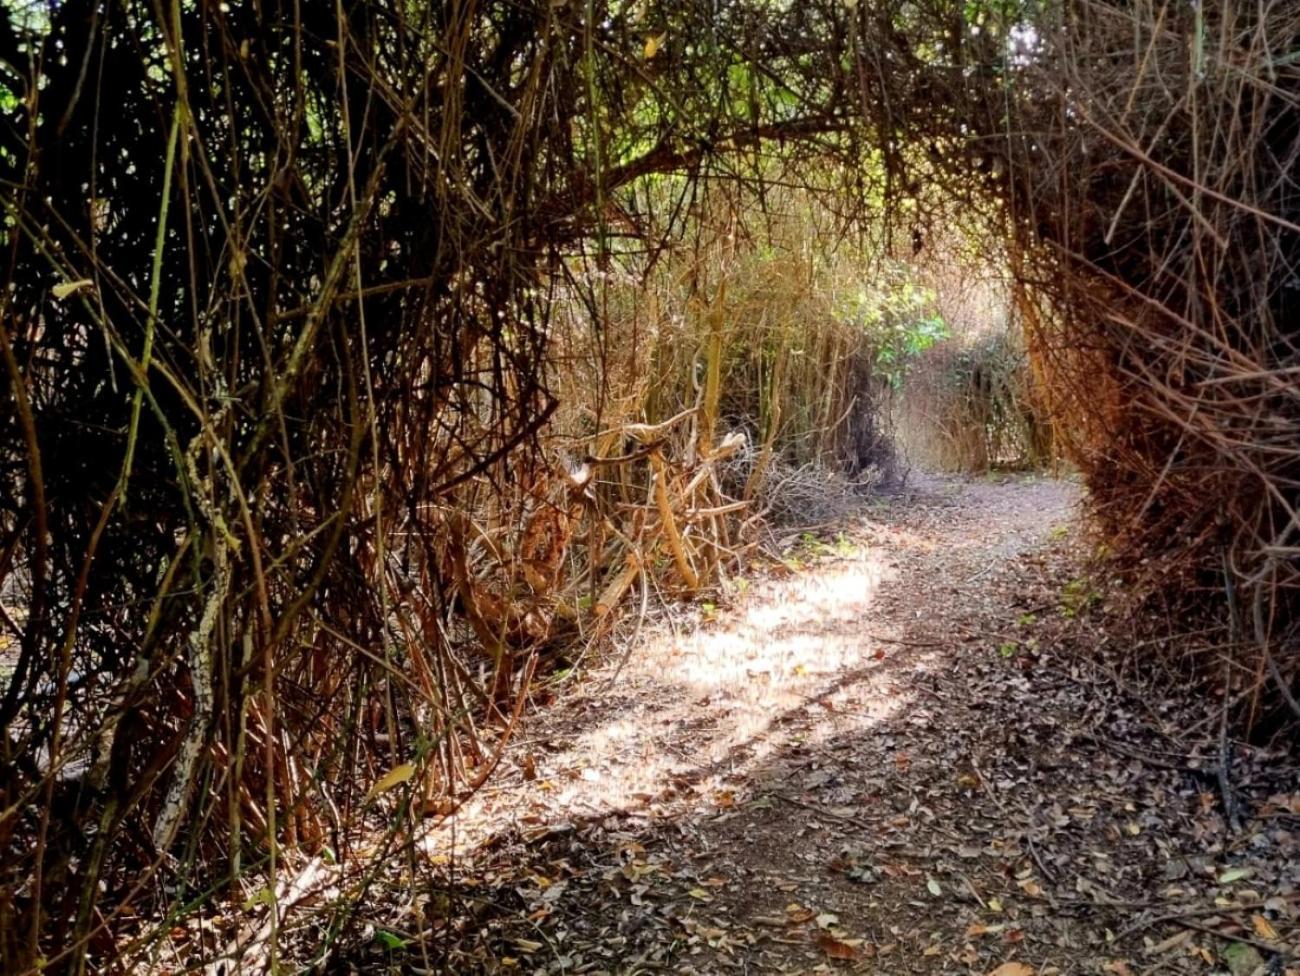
{"x": 1242, "y": 959}
{"x": 1030, "y": 887}
{"x": 1234, "y": 874}
{"x": 1263, "y": 928}
{"x": 934, "y": 888}
{"x": 1173, "y": 942}
{"x": 836, "y": 949}
{"x": 797, "y": 913}
{"x": 1013, "y": 969}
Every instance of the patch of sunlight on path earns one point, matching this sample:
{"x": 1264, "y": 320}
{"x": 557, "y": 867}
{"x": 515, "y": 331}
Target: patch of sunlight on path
{"x": 705, "y": 706}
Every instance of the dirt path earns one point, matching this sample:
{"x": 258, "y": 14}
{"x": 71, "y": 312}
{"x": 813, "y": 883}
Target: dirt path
{"x": 894, "y": 759}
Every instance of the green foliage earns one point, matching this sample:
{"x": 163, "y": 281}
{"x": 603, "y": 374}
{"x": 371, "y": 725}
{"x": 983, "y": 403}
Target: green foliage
{"x": 971, "y": 405}
{"x": 1076, "y": 596}
{"x": 900, "y": 318}
{"x": 388, "y": 940}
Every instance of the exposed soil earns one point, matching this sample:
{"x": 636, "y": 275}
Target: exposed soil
{"x": 915, "y": 748}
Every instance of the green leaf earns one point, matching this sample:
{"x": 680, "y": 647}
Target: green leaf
{"x": 1242, "y": 959}
{"x": 394, "y": 777}
{"x": 62, "y": 291}
{"x": 388, "y": 940}
{"x": 263, "y": 897}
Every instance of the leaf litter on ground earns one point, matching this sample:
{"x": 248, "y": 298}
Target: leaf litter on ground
{"x": 842, "y": 770}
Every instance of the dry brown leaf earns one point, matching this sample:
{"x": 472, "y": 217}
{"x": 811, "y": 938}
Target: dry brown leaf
{"x": 1030, "y": 887}
{"x": 797, "y": 914}
{"x": 836, "y": 949}
{"x": 1263, "y": 928}
{"x": 1013, "y": 969}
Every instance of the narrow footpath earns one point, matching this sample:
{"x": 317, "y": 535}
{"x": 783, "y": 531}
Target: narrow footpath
{"x": 912, "y": 749}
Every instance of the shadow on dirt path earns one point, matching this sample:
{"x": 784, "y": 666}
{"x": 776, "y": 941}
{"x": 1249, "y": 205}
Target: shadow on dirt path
{"x": 910, "y": 754}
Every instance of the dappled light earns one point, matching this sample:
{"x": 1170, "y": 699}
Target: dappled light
{"x": 731, "y": 681}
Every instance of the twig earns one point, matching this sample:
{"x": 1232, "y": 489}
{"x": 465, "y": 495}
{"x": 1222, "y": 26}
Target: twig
{"x": 1131, "y": 753}
{"x": 1178, "y": 916}
{"x": 971, "y": 888}
{"x": 904, "y": 643}
{"x": 1275, "y": 948}
{"x": 1048, "y": 875}
{"x": 855, "y": 821}
{"x": 1234, "y": 632}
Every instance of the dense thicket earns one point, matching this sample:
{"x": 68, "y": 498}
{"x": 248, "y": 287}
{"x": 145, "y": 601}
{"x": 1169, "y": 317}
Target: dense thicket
{"x": 278, "y": 292}
{"x": 1145, "y": 159}
{"x": 278, "y": 284}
